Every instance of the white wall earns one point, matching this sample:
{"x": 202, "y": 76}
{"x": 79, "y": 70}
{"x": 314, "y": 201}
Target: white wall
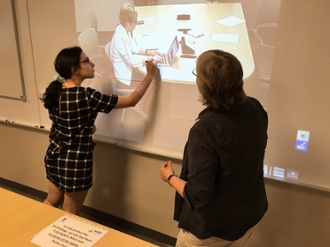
{"x": 127, "y": 185}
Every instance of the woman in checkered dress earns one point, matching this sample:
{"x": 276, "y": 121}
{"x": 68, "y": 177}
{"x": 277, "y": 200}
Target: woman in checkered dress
{"x": 73, "y": 110}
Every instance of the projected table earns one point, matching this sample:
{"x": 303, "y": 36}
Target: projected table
{"x": 23, "y": 217}
{"x": 222, "y": 25}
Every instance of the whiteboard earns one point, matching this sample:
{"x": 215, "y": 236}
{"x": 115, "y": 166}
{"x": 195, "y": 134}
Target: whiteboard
{"x": 14, "y": 108}
{"x": 12, "y": 84}
{"x": 290, "y": 79}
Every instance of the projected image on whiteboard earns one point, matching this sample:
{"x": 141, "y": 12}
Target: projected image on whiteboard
{"x": 174, "y": 35}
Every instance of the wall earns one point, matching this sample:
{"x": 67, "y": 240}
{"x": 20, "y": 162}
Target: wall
{"x": 126, "y": 182}
{"x": 127, "y": 185}
{"x": 282, "y": 84}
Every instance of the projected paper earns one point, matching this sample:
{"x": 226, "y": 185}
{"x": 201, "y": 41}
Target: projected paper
{"x": 230, "y": 21}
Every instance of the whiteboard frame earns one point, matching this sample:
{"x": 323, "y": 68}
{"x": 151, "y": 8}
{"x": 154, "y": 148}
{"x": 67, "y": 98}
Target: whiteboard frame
{"x": 22, "y": 97}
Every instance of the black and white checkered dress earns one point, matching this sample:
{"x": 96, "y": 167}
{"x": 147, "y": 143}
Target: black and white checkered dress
{"x": 69, "y": 157}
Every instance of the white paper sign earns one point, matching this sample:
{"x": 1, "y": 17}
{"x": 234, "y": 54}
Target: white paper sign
{"x": 68, "y": 231}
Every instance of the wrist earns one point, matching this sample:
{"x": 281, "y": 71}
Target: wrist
{"x": 170, "y": 177}
{"x": 149, "y": 77}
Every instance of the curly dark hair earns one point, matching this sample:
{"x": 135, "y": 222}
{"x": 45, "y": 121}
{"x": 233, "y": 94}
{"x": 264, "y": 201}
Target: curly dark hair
{"x": 220, "y": 80}
{"x": 65, "y": 61}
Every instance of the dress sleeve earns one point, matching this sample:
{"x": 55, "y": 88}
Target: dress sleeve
{"x": 101, "y": 102}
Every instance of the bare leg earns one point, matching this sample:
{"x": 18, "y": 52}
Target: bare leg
{"x": 55, "y": 195}
{"x": 74, "y": 201}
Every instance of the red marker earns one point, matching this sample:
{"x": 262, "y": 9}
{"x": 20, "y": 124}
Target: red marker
{"x": 166, "y": 163}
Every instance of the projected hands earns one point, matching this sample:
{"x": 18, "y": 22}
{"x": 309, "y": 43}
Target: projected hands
{"x": 157, "y": 57}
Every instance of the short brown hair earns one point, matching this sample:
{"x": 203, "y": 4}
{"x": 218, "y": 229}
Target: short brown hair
{"x": 127, "y": 13}
{"x": 220, "y": 77}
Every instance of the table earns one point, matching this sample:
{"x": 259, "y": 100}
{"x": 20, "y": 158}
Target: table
{"x": 22, "y": 217}
{"x": 160, "y": 23}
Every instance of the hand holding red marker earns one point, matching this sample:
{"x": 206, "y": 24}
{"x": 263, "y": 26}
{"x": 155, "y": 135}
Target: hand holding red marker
{"x": 167, "y": 162}
{"x": 166, "y": 170}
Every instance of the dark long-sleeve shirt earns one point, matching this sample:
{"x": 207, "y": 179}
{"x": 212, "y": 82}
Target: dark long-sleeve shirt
{"x": 223, "y": 166}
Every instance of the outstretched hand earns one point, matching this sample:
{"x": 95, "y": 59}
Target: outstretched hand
{"x": 151, "y": 66}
